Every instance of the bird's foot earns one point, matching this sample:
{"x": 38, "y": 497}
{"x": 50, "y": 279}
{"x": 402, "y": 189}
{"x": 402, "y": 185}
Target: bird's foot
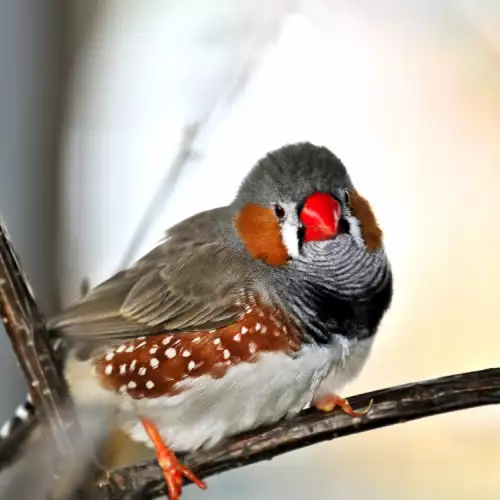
{"x": 173, "y": 470}
{"x": 330, "y": 402}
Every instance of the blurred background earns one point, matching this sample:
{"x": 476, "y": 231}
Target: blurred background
{"x": 121, "y": 117}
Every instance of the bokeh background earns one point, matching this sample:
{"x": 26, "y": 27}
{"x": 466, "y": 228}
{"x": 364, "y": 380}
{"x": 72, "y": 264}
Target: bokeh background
{"x": 121, "y": 117}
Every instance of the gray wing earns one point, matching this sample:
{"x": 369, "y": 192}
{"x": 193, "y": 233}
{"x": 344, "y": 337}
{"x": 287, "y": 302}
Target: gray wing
{"x": 184, "y": 284}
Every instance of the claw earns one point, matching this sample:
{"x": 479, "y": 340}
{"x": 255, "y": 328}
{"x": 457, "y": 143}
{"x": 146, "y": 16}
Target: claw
{"x": 172, "y": 469}
{"x": 329, "y": 403}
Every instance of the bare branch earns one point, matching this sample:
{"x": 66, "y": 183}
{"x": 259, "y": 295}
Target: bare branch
{"x": 26, "y": 330}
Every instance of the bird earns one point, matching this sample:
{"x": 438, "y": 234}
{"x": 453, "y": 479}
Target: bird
{"x": 241, "y": 316}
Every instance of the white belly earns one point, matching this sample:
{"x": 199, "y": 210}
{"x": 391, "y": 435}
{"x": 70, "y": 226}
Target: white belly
{"x": 249, "y": 395}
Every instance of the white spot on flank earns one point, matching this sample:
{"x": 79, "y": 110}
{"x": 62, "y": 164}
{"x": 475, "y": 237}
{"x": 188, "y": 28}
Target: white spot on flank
{"x": 170, "y": 353}
{"x": 276, "y": 333}
{"x": 226, "y": 354}
{"x": 191, "y": 365}
{"x": 109, "y": 356}
{"x": 131, "y": 385}
{"x": 257, "y": 327}
{"x": 108, "y": 370}
{"x": 196, "y": 340}
{"x": 244, "y": 330}
{"x": 141, "y": 338}
{"x": 217, "y": 341}
{"x": 264, "y": 329}
{"x": 166, "y": 340}
{"x": 142, "y": 344}
{"x": 153, "y": 350}
{"x": 142, "y": 371}
{"x": 132, "y": 365}
{"x": 186, "y": 353}
{"x": 121, "y": 348}
{"x": 252, "y": 347}
{"x": 130, "y": 349}
{"x": 150, "y": 384}
{"x": 123, "y": 369}
{"x": 154, "y": 363}
{"x": 237, "y": 337}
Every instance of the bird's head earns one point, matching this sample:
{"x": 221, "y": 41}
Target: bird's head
{"x": 298, "y": 195}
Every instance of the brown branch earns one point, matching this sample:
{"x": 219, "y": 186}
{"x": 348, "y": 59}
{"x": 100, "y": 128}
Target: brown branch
{"x": 394, "y": 405}
{"x": 26, "y": 330}
{"x": 25, "y": 327}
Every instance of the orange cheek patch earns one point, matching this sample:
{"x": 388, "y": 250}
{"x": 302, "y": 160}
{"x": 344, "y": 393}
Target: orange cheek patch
{"x": 372, "y": 234}
{"x": 260, "y": 232}
{"x": 153, "y": 366}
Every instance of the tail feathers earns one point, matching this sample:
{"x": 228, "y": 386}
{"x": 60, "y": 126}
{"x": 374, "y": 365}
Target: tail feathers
{"x": 16, "y": 430}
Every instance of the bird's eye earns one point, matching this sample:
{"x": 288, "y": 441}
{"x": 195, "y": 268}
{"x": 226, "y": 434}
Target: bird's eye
{"x": 279, "y": 211}
{"x": 347, "y": 198}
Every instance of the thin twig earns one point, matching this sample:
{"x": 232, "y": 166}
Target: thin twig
{"x": 186, "y": 152}
{"x": 166, "y": 187}
{"x": 394, "y": 405}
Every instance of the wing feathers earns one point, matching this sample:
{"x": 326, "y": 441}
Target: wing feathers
{"x": 183, "y": 284}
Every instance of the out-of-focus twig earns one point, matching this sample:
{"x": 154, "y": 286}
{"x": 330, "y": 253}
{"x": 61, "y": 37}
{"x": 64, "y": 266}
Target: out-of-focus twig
{"x": 31, "y": 476}
{"x": 242, "y": 69}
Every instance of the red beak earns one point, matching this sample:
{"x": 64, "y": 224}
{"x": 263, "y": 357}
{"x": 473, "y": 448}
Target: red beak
{"x": 320, "y": 216}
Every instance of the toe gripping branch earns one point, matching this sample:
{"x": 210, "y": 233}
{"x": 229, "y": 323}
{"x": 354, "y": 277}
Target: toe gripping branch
{"x": 173, "y": 470}
{"x": 330, "y": 402}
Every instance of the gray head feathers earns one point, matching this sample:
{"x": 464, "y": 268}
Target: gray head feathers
{"x": 295, "y": 170}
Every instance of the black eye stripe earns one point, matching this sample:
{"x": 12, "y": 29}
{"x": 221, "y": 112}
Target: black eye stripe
{"x": 347, "y": 197}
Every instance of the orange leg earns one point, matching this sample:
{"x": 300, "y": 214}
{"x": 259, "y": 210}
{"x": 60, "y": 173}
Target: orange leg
{"x": 330, "y": 402}
{"x": 172, "y": 469}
